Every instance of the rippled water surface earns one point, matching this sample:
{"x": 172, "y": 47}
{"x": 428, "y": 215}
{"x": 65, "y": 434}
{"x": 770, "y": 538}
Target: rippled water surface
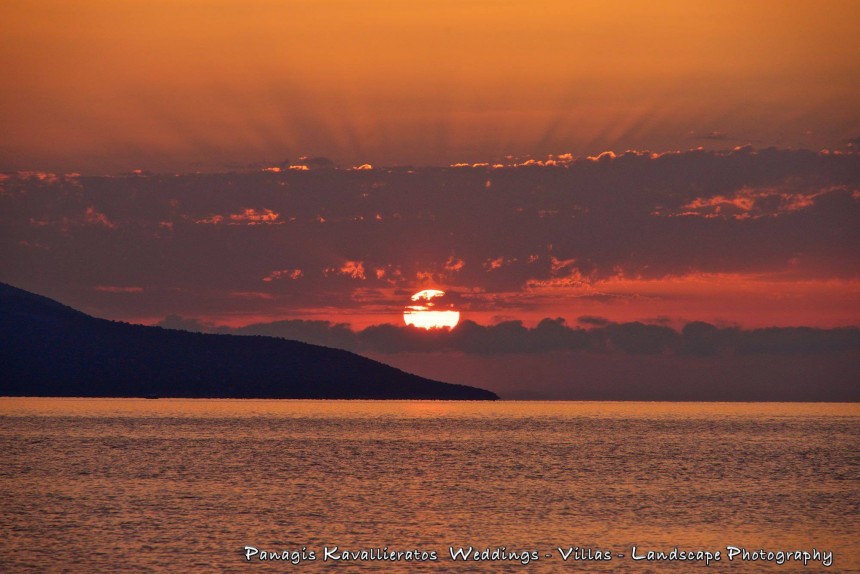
{"x": 185, "y": 485}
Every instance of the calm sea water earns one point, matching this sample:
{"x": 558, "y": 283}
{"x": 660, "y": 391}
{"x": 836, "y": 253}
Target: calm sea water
{"x": 187, "y": 485}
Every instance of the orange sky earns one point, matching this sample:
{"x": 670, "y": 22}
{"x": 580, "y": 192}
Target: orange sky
{"x": 728, "y": 234}
{"x": 98, "y": 86}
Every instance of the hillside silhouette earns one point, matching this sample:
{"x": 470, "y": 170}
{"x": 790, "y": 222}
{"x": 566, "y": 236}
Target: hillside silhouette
{"x": 48, "y": 349}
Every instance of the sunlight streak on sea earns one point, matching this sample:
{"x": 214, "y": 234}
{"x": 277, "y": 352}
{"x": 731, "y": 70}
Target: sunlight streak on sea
{"x": 124, "y": 485}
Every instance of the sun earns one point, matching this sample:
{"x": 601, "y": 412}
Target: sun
{"x": 426, "y": 313}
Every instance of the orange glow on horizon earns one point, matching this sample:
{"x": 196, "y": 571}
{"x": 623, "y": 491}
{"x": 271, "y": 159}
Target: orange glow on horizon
{"x": 749, "y": 301}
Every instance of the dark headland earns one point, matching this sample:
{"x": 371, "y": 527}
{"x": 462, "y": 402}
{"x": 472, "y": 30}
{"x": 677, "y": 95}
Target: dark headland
{"x": 48, "y": 349}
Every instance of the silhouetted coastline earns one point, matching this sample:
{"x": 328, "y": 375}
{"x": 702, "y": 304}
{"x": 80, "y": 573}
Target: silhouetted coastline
{"x": 48, "y": 349}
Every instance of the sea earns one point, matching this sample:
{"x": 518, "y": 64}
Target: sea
{"x": 173, "y": 485}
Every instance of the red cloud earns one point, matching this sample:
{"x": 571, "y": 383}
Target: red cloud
{"x": 751, "y": 203}
{"x": 284, "y": 274}
{"x": 245, "y": 217}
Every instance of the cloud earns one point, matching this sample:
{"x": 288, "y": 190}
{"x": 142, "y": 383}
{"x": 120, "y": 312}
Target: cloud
{"x": 351, "y": 269}
{"x": 491, "y": 264}
{"x": 453, "y": 264}
{"x": 94, "y": 217}
{"x": 284, "y": 274}
{"x": 749, "y": 203}
{"x": 639, "y": 338}
{"x": 590, "y": 320}
{"x": 603, "y": 156}
{"x": 604, "y": 232}
{"x": 697, "y": 338}
{"x": 245, "y": 217}
{"x": 317, "y": 163}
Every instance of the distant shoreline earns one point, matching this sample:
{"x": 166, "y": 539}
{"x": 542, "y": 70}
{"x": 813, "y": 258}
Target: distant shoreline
{"x": 51, "y": 350}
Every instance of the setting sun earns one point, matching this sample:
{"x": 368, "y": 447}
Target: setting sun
{"x": 424, "y": 312}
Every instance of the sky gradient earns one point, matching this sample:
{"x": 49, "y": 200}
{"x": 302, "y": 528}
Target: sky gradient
{"x": 585, "y": 180}
{"x": 104, "y": 87}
